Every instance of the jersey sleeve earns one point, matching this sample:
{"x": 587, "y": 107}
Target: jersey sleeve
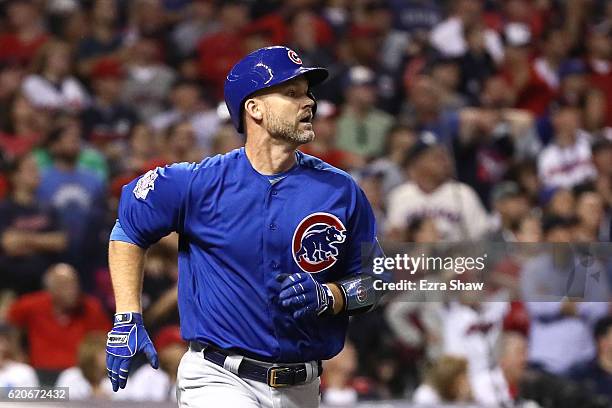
{"x": 152, "y": 206}
{"x": 362, "y": 242}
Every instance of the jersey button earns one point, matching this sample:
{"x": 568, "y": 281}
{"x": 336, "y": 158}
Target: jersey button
{"x": 274, "y": 192}
{"x": 274, "y": 265}
{"x": 273, "y": 226}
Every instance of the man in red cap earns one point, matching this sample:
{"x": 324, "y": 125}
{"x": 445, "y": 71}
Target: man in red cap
{"x": 107, "y": 119}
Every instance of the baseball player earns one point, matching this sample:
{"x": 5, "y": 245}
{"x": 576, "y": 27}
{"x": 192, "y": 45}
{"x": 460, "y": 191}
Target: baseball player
{"x": 269, "y": 251}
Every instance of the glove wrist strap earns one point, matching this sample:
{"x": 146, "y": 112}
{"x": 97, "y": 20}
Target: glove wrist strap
{"x": 128, "y": 318}
{"x": 329, "y": 302}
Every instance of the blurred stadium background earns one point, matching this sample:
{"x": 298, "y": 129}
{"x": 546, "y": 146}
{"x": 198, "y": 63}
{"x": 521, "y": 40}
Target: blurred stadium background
{"x": 461, "y": 120}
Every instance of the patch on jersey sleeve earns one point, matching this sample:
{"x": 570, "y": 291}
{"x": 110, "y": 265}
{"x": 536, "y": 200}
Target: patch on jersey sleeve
{"x": 145, "y": 184}
{"x": 315, "y": 242}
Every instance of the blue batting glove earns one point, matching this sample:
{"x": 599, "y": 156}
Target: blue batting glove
{"x": 304, "y": 296}
{"x": 127, "y": 338}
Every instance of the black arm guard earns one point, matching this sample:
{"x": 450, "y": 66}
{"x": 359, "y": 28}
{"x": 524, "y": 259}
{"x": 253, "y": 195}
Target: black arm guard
{"x": 359, "y": 294}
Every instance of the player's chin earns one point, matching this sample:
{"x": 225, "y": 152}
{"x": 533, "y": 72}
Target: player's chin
{"x": 305, "y": 134}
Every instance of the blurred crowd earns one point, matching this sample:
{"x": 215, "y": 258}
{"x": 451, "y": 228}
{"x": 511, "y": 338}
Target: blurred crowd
{"x": 464, "y": 120}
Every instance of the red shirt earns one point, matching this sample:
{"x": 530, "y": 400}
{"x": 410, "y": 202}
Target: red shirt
{"x": 53, "y": 339}
{"x": 335, "y": 157}
{"x": 603, "y": 82}
{"x": 536, "y": 95}
{"x": 15, "y": 50}
{"x": 217, "y": 55}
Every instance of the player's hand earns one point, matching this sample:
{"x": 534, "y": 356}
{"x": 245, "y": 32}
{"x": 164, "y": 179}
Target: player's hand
{"x": 127, "y": 338}
{"x": 303, "y": 295}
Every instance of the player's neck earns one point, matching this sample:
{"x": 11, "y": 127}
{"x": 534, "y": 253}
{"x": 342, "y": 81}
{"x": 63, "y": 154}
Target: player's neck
{"x": 268, "y": 156}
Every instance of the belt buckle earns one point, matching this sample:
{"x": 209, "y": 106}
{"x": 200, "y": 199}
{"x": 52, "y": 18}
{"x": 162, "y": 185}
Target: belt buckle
{"x": 272, "y": 380}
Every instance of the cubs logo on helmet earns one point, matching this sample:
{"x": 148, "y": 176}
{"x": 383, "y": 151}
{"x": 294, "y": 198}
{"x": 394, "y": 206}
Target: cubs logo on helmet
{"x": 315, "y": 242}
{"x": 294, "y": 57}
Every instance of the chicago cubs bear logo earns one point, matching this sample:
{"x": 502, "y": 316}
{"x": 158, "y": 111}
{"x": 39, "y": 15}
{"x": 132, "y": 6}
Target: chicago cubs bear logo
{"x": 314, "y": 242}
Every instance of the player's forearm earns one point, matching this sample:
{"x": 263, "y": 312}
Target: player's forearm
{"x": 126, "y": 263}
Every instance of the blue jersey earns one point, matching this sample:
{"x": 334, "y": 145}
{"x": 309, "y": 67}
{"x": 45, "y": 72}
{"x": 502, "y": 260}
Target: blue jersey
{"x": 238, "y": 231}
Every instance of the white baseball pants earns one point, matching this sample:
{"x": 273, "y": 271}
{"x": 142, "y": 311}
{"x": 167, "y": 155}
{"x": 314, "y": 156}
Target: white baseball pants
{"x": 203, "y": 384}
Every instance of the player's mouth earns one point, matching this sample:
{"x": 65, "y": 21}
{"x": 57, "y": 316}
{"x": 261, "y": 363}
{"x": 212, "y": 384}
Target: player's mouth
{"x": 307, "y": 119}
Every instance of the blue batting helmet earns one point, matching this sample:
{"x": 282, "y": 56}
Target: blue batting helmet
{"x": 262, "y": 69}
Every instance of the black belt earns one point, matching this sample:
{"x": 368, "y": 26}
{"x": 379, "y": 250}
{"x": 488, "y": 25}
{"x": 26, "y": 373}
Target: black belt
{"x": 277, "y": 376}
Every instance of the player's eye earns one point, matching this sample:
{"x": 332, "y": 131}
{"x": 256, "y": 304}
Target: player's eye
{"x": 291, "y": 93}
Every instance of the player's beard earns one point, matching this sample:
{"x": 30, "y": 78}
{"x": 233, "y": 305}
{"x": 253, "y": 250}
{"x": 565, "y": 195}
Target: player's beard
{"x": 287, "y": 130}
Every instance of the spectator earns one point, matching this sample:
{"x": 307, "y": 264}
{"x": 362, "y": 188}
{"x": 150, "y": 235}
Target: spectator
{"x": 500, "y": 386}
{"x": 107, "y": 122}
{"x": 560, "y": 333}
{"x": 446, "y": 381}
{"x": 528, "y": 229}
{"x": 597, "y": 373}
{"x": 88, "y": 379}
{"x": 60, "y": 311}
{"x": 485, "y": 147}
{"x": 10, "y": 82}
{"x": 562, "y": 203}
{"x": 225, "y": 140}
{"x": 398, "y": 141}
{"x": 324, "y": 146}
{"x": 148, "y": 384}
{"x": 476, "y": 65}
{"x": 12, "y": 372}
{"x": 423, "y": 108}
{"x": 160, "y": 290}
{"x": 65, "y": 141}
{"x": 574, "y": 87}
{"x": 221, "y": 49}
{"x": 448, "y": 37}
{"x": 76, "y": 194}
{"x": 144, "y": 153}
{"x": 199, "y": 22}
{"x": 414, "y": 317}
{"x": 25, "y": 127}
{"x": 26, "y": 35}
{"x": 590, "y": 209}
{"x": 181, "y": 144}
{"x": 602, "y": 160}
{"x": 554, "y": 49}
{"x": 371, "y": 184}
{"x": 525, "y": 173}
{"x": 471, "y": 328}
{"x": 511, "y": 206}
{"x": 361, "y": 126}
{"x": 339, "y": 373}
{"x": 415, "y": 16}
{"x": 566, "y": 162}
{"x": 103, "y": 39}
{"x": 148, "y": 79}
{"x": 187, "y": 105}
{"x": 30, "y": 237}
{"x": 52, "y": 84}
{"x": 431, "y": 192}
{"x": 446, "y": 73}
{"x": 599, "y": 54}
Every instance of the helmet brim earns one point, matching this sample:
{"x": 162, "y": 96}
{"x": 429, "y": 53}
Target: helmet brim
{"x": 314, "y": 76}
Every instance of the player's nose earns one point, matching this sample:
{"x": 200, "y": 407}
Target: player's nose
{"x": 308, "y": 103}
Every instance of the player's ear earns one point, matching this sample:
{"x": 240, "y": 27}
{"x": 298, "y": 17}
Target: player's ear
{"x": 254, "y": 108}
